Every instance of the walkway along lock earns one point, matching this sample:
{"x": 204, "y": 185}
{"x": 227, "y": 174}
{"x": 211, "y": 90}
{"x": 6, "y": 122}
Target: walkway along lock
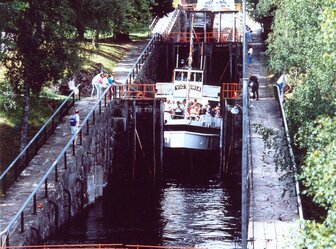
{"x": 42, "y": 194}
{"x": 14, "y": 170}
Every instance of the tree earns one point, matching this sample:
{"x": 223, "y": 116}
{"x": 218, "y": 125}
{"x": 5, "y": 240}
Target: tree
{"x": 42, "y": 50}
{"x": 302, "y": 43}
{"x": 8, "y": 10}
{"x": 319, "y": 177}
{"x": 160, "y": 8}
{"x": 262, "y": 11}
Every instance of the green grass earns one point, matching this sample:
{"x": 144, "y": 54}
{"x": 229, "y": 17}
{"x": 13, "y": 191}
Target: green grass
{"x": 109, "y": 53}
{"x": 41, "y": 109}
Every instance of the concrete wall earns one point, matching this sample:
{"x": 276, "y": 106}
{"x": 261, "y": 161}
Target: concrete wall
{"x": 81, "y": 183}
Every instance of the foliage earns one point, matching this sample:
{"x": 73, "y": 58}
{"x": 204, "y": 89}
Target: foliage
{"x": 328, "y": 34}
{"x": 302, "y": 44}
{"x": 319, "y": 176}
{"x": 262, "y": 9}
{"x": 9, "y": 98}
{"x": 41, "y": 50}
{"x": 314, "y": 97}
{"x": 161, "y": 7}
{"x": 320, "y": 165}
{"x": 274, "y": 139}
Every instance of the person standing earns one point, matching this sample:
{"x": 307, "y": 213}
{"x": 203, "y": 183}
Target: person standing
{"x": 96, "y": 83}
{"x": 281, "y": 83}
{"x": 254, "y": 84}
{"x": 249, "y": 55}
{"x": 74, "y": 124}
{"x": 110, "y": 79}
{"x": 248, "y": 33}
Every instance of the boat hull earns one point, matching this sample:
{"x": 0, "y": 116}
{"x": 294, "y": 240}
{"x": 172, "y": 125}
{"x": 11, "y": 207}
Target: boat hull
{"x": 191, "y": 137}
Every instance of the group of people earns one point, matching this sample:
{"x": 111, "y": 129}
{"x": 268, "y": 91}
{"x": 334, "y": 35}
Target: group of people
{"x": 193, "y": 110}
{"x": 100, "y": 82}
{"x": 281, "y": 83}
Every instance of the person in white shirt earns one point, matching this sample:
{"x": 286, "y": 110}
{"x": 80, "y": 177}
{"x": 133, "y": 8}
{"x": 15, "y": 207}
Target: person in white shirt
{"x": 281, "y": 83}
{"x": 96, "y": 83}
{"x": 249, "y": 56}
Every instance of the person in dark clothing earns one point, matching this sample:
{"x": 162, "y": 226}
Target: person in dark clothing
{"x": 254, "y": 84}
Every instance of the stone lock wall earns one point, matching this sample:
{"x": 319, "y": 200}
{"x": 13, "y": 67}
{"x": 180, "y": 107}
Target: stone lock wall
{"x": 79, "y": 185}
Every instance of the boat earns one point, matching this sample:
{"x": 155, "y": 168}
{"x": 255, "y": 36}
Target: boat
{"x": 192, "y": 117}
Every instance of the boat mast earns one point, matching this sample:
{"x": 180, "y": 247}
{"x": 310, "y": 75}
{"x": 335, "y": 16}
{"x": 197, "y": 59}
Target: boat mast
{"x": 190, "y": 58}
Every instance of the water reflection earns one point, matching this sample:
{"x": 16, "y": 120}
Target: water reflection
{"x": 200, "y": 215}
{"x": 201, "y": 211}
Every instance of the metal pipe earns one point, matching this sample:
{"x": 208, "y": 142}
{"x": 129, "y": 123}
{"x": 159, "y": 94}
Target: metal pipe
{"x": 292, "y": 157}
{"x": 244, "y": 138}
{"x": 244, "y": 166}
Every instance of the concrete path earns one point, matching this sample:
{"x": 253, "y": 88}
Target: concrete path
{"x": 272, "y": 216}
{"x": 11, "y": 203}
{"x": 123, "y": 68}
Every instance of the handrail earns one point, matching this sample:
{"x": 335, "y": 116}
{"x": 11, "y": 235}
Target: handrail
{"x": 41, "y": 130}
{"x": 72, "y": 246}
{"x": 142, "y": 57}
{"x": 172, "y": 20}
{"x": 154, "y": 22}
{"x": 214, "y": 36}
{"x": 291, "y": 153}
{"x": 89, "y": 246}
{"x": 51, "y": 168}
{"x": 231, "y": 90}
{"x": 136, "y": 91}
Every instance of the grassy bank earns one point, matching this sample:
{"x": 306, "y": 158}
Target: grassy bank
{"x": 108, "y": 54}
{"x": 10, "y": 120}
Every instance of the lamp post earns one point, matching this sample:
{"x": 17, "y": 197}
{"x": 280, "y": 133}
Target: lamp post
{"x": 244, "y": 138}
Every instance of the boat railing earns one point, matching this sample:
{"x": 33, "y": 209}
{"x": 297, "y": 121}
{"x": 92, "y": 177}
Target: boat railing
{"x": 205, "y": 120}
{"x": 181, "y": 74}
{"x": 210, "y": 121}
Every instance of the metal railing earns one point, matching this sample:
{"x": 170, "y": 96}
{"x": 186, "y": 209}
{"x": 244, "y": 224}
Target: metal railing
{"x": 134, "y": 71}
{"x": 231, "y": 90}
{"x": 53, "y": 170}
{"x": 14, "y": 170}
{"x": 291, "y": 153}
{"x": 172, "y": 21}
{"x": 215, "y": 36}
{"x": 94, "y": 246}
{"x": 136, "y": 91}
{"x": 153, "y": 23}
{"x": 150, "y": 91}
